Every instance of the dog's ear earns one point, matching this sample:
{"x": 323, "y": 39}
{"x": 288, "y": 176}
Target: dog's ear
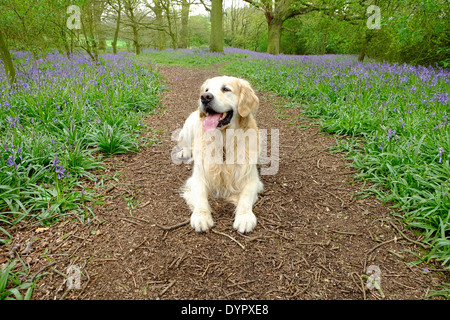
{"x": 203, "y": 87}
{"x": 248, "y": 101}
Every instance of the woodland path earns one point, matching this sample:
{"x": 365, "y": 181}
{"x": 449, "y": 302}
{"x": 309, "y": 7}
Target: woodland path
{"x": 314, "y": 239}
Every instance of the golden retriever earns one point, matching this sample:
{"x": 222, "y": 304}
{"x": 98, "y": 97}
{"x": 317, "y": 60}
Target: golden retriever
{"x": 224, "y": 165}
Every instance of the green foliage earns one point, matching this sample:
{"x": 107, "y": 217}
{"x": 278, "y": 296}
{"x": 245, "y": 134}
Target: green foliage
{"x": 11, "y": 285}
{"x": 199, "y": 57}
{"x": 112, "y": 139}
{"x": 55, "y": 126}
{"x": 199, "y": 28}
{"x": 415, "y": 32}
{"x": 398, "y": 113}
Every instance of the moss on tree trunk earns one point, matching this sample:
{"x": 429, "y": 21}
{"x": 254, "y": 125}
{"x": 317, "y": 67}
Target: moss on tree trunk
{"x": 7, "y": 61}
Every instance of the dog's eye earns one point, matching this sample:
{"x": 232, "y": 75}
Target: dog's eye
{"x": 206, "y": 90}
{"x": 225, "y": 89}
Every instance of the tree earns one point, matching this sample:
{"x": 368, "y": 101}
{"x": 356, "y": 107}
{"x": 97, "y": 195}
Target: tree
{"x": 7, "y": 61}
{"x": 135, "y": 16}
{"x": 171, "y": 17}
{"x": 216, "y": 38}
{"x": 117, "y": 7}
{"x": 278, "y": 11}
{"x": 157, "y": 9}
{"x": 243, "y": 26}
{"x": 184, "y": 32}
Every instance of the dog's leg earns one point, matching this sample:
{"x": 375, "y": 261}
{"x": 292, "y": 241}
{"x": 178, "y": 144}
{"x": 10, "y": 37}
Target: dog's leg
{"x": 245, "y": 219}
{"x": 196, "y": 196}
{"x": 186, "y": 136}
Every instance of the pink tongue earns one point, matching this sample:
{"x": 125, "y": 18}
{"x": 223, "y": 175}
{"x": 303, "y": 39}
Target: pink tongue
{"x": 211, "y": 121}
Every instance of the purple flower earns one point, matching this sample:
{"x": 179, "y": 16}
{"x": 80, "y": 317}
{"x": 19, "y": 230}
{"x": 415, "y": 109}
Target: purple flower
{"x": 10, "y": 161}
{"x": 55, "y": 162}
{"x": 392, "y": 134}
{"x": 60, "y": 171}
{"x": 441, "y": 151}
{"x": 13, "y": 121}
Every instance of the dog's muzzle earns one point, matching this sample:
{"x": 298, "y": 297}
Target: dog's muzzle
{"x": 206, "y": 98}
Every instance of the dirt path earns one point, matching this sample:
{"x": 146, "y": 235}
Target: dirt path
{"x": 314, "y": 239}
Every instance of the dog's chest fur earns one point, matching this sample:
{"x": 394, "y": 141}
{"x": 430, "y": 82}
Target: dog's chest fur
{"x": 223, "y": 176}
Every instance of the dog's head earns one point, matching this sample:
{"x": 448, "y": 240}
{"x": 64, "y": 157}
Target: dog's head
{"x": 224, "y": 100}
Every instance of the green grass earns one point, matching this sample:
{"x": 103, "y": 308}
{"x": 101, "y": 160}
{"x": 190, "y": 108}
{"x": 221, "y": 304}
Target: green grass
{"x": 58, "y": 123}
{"x": 13, "y": 285}
{"x": 200, "y": 57}
{"x": 397, "y": 117}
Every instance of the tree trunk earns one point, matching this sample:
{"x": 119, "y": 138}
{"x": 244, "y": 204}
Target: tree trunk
{"x": 363, "y": 49}
{"x": 87, "y": 41}
{"x": 273, "y": 45}
{"x": 161, "y": 38}
{"x": 183, "y": 42}
{"x": 92, "y": 37}
{"x": 134, "y": 27}
{"x": 99, "y": 28}
{"x": 116, "y": 32}
{"x": 65, "y": 42}
{"x": 216, "y": 38}
{"x": 172, "y": 33}
{"x": 7, "y": 61}
{"x": 137, "y": 46}
{"x": 324, "y": 43}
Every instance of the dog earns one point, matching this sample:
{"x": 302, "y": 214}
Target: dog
{"x": 226, "y": 112}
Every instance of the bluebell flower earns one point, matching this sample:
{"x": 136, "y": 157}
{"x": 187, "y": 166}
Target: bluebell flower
{"x": 441, "y": 151}
{"x": 10, "y": 161}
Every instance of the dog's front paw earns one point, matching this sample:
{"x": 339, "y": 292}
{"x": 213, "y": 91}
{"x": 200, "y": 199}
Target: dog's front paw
{"x": 183, "y": 155}
{"x": 201, "y": 220}
{"x": 244, "y": 222}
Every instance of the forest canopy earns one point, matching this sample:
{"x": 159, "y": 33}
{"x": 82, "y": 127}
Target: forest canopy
{"x": 414, "y": 32}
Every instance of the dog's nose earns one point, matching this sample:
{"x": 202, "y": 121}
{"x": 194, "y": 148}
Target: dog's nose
{"x": 206, "y": 97}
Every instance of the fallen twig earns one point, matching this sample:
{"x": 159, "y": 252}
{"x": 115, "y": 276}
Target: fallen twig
{"x": 166, "y": 288}
{"x": 174, "y": 226}
{"x": 406, "y": 238}
{"x": 362, "y": 284}
{"x": 342, "y": 201}
{"x": 176, "y": 262}
{"x": 207, "y": 268}
{"x": 228, "y": 236}
{"x": 110, "y": 189}
{"x": 42, "y": 269}
{"x": 130, "y": 221}
{"x": 380, "y": 244}
{"x": 145, "y": 204}
{"x": 376, "y": 247}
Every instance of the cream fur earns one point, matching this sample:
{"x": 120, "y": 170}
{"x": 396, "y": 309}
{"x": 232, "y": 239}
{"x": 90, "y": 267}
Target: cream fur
{"x": 237, "y": 183}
